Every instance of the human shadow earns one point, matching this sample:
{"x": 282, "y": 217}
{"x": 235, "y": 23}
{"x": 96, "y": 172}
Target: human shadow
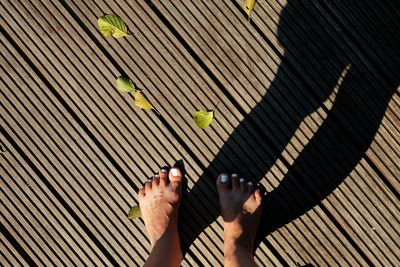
{"x": 320, "y": 39}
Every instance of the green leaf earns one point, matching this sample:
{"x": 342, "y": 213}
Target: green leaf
{"x": 134, "y": 213}
{"x": 124, "y": 84}
{"x": 203, "y": 118}
{"x": 112, "y": 25}
{"x": 248, "y": 6}
{"x": 141, "y": 101}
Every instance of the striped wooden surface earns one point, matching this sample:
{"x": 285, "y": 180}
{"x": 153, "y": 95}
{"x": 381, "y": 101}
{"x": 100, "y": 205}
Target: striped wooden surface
{"x": 309, "y": 106}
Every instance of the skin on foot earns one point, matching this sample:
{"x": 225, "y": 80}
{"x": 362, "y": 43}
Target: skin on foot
{"x": 240, "y": 203}
{"x": 159, "y": 203}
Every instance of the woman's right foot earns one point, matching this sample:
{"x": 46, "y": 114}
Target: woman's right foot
{"x": 159, "y": 204}
{"x": 240, "y": 203}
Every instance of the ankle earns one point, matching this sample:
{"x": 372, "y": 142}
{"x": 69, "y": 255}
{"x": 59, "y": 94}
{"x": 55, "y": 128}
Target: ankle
{"x": 235, "y": 247}
{"x": 166, "y": 251}
{"x": 171, "y": 235}
{"x": 238, "y": 254}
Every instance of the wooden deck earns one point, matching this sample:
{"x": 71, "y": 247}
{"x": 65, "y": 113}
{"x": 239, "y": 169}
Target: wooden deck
{"x": 309, "y": 106}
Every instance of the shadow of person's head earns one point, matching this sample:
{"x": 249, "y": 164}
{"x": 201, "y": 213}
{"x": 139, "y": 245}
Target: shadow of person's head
{"x": 328, "y": 35}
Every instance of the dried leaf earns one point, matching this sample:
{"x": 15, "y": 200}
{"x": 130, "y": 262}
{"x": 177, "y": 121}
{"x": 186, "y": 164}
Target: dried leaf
{"x": 134, "y": 213}
{"x": 203, "y": 118}
{"x": 112, "y": 25}
{"x": 124, "y": 84}
{"x": 248, "y": 6}
{"x": 141, "y": 101}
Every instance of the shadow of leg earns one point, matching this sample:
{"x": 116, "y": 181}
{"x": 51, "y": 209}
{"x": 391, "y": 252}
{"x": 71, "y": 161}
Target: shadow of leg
{"x": 331, "y": 155}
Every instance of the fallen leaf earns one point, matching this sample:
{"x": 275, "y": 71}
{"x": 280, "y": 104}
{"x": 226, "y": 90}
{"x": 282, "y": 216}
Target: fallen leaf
{"x": 248, "y": 6}
{"x": 203, "y": 118}
{"x": 124, "y": 84}
{"x": 112, "y": 25}
{"x": 141, "y": 101}
{"x": 134, "y": 213}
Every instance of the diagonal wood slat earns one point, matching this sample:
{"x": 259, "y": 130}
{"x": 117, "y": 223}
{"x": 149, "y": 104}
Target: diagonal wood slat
{"x": 309, "y": 106}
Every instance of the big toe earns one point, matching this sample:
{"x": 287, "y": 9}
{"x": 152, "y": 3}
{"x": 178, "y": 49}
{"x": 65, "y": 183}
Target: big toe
{"x": 175, "y": 179}
{"x": 223, "y": 182}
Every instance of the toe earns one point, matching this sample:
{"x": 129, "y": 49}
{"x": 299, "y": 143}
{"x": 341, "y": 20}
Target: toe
{"x": 156, "y": 180}
{"x": 243, "y": 185}
{"x": 163, "y": 177}
{"x": 141, "y": 193}
{"x": 223, "y": 181}
{"x": 251, "y": 186}
{"x": 148, "y": 185}
{"x": 235, "y": 181}
{"x": 175, "y": 179}
{"x": 175, "y": 175}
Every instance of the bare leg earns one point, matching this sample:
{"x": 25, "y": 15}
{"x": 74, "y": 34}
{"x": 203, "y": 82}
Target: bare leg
{"x": 240, "y": 203}
{"x": 159, "y": 203}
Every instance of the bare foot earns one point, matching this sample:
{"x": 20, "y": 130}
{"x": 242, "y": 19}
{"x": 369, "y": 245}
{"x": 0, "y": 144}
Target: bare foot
{"x": 159, "y": 203}
{"x": 240, "y": 203}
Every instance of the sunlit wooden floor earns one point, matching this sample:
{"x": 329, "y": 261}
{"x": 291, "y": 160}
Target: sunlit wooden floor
{"x": 309, "y": 106}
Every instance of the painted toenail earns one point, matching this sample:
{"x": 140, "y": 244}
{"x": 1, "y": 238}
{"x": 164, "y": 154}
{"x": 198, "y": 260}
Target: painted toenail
{"x": 242, "y": 180}
{"x": 249, "y": 183}
{"x": 235, "y": 175}
{"x": 156, "y": 176}
{"x": 174, "y": 172}
{"x": 149, "y": 181}
{"x": 224, "y": 178}
{"x": 163, "y": 170}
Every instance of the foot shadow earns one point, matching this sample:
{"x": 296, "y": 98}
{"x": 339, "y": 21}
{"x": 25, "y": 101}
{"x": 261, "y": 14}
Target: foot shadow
{"x": 321, "y": 39}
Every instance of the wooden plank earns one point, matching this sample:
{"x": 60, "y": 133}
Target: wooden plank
{"x": 174, "y": 12}
{"x": 267, "y": 18}
{"x": 71, "y": 186}
{"x": 37, "y": 246}
{"x": 366, "y": 211}
{"x": 9, "y": 256}
{"x": 40, "y": 199}
{"x": 382, "y": 49}
{"x": 26, "y": 218}
{"x": 138, "y": 165}
{"x": 369, "y": 206}
{"x": 303, "y": 247}
{"x": 130, "y": 53}
{"x": 389, "y": 165}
